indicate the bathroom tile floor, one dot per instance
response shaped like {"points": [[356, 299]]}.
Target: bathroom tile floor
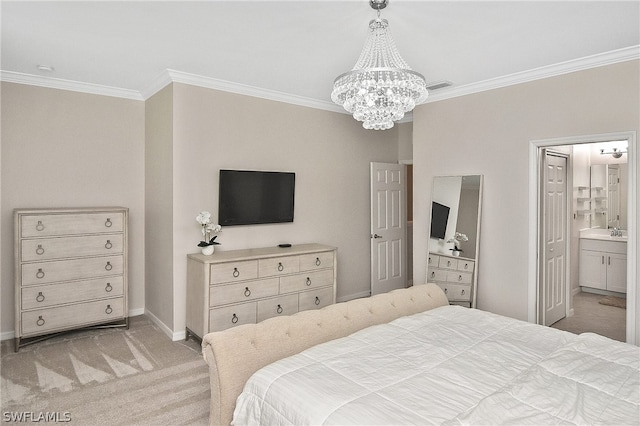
{"points": [[590, 316]]}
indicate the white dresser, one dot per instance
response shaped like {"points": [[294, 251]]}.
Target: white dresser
{"points": [[70, 270], [454, 275], [231, 288]]}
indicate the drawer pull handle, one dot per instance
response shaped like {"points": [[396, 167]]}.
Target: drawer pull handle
{"points": [[247, 292], [462, 292], [108, 310], [108, 266], [308, 281], [234, 319], [446, 291], [433, 274], [40, 273], [236, 273], [318, 262], [280, 267], [39, 227], [448, 263], [40, 321], [39, 250], [279, 310], [108, 288], [40, 297], [108, 223], [317, 302], [459, 277], [466, 266], [108, 245]]}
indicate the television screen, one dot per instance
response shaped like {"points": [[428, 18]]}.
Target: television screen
{"points": [[248, 197], [439, 219]]}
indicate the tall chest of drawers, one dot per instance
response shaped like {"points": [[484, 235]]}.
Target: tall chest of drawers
{"points": [[454, 275], [70, 270], [230, 288]]}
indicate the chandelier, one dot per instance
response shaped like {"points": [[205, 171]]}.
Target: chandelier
{"points": [[381, 87]]}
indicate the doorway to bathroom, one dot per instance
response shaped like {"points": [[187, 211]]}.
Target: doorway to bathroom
{"points": [[595, 210]]}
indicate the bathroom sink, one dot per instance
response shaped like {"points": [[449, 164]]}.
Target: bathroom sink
{"points": [[605, 237]]}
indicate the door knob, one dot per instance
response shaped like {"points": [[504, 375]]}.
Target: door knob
{"points": [[376, 236]]}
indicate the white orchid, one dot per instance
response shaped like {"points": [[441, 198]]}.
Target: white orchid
{"points": [[456, 239], [207, 228]]}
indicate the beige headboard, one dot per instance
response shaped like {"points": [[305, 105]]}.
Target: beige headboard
{"points": [[234, 355]]}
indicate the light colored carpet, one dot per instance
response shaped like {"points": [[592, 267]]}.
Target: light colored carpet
{"points": [[108, 376], [591, 316], [618, 302]]}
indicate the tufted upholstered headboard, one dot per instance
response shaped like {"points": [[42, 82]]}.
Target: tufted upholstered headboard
{"points": [[234, 355]]}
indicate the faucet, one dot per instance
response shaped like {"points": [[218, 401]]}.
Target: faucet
{"points": [[616, 232]]}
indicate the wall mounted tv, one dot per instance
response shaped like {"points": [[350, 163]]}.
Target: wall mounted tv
{"points": [[439, 219], [249, 197]]}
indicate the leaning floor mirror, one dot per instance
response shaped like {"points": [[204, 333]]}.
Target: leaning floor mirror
{"points": [[454, 238]]}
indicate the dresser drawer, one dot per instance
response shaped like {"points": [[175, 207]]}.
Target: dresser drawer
{"points": [[447, 263], [33, 297], [466, 265], [233, 271], [309, 262], [315, 299], [459, 277], [433, 260], [74, 269], [284, 305], [456, 292], [241, 292], [47, 225], [62, 317], [294, 283], [434, 275], [61, 247], [230, 316], [278, 266]]}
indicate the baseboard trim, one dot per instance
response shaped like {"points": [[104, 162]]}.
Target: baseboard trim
{"points": [[353, 296], [173, 335]]}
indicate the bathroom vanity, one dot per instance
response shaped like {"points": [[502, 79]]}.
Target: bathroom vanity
{"points": [[603, 261]]}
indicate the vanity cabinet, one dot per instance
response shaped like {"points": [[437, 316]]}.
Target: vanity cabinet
{"points": [[603, 265], [231, 288], [70, 270], [454, 275]]}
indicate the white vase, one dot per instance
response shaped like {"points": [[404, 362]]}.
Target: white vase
{"points": [[208, 250]]}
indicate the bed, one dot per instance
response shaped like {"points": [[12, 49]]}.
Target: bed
{"points": [[407, 357]]}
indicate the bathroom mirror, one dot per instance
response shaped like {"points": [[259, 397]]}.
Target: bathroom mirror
{"points": [[454, 236], [608, 196]]}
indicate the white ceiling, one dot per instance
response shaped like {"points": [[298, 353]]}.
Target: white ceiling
{"points": [[298, 47]]}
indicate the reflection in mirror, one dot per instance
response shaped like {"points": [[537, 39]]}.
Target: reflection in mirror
{"points": [[453, 239], [608, 196]]}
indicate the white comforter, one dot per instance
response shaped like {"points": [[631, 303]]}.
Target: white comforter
{"points": [[449, 365]]}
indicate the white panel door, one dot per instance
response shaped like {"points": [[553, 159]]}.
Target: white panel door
{"points": [[554, 238], [388, 227]]}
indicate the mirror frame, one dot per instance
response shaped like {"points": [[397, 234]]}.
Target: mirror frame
{"points": [[438, 250]]}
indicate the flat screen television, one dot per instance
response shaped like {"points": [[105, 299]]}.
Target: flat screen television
{"points": [[439, 219], [249, 197]]}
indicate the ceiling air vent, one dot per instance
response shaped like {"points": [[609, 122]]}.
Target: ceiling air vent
{"points": [[439, 85]]}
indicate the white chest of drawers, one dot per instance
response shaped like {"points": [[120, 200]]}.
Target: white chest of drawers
{"points": [[231, 288], [70, 270], [454, 275]]}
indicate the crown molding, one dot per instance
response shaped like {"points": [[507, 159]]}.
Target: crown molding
{"points": [[594, 61], [172, 76], [74, 86]]}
